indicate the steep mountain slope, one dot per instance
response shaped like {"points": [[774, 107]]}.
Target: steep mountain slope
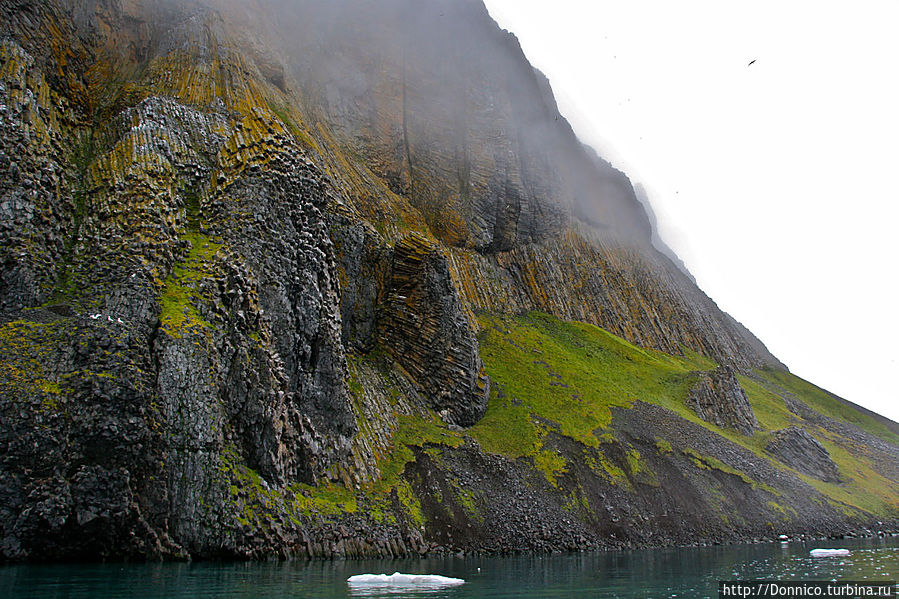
{"points": [[258, 268]]}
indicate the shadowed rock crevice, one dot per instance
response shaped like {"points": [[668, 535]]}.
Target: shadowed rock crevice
{"points": [[364, 262]]}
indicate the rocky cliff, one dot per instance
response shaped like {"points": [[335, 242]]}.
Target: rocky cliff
{"points": [[258, 266]]}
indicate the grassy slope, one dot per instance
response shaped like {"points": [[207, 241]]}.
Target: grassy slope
{"points": [[567, 376]]}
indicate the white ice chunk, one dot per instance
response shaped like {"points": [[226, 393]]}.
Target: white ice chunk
{"points": [[399, 579], [828, 552]]}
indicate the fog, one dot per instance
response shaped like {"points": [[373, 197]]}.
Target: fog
{"points": [[438, 99], [773, 180]]}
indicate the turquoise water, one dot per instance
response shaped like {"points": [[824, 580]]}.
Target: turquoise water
{"points": [[692, 572]]}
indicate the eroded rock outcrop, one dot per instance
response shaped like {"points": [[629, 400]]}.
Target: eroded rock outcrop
{"points": [[192, 342], [717, 397], [797, 449], [471, 137], [425, 328], [242, 243], [36, 197], [576, 276]]}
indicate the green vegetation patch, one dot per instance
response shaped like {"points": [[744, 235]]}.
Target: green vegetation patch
{"points": [[468, 500], [550, 463], [825, 403], [707, 462], [602, 465], [769, 408], [180, 294], [864, 487], [639, 469], [570, 374], [327, 499], [413, 431], [411, 504], [26, 351]]}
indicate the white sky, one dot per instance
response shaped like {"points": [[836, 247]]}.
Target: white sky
{"points": [[777, 183]]}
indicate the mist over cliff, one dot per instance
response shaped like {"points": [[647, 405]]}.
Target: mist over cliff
{"points": [[336, 279]]}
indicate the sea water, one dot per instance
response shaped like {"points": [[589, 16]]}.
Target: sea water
{"points": [[675, 572]]}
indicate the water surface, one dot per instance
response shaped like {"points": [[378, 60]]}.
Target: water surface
{"points": [[679, 572]]}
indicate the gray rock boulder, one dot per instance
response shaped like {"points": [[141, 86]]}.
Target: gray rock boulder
{"points": [[798, 449], [718, 398]]}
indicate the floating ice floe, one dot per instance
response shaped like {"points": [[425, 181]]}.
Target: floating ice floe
{"points": [[404, 580], [829, 552]]}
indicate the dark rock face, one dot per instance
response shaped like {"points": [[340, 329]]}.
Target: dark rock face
{"points": [[232, 289], [718, 398], [36, 202], [364, 261], [425, 328], [82, 452], [798, 449], [195, 330]]}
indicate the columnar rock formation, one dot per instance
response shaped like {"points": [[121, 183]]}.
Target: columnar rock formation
{"points": [[717, 397], [798, 449], [425, 328], [244, 251]]}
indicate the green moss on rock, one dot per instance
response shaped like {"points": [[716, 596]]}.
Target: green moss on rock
{"points": [[180, 294]]}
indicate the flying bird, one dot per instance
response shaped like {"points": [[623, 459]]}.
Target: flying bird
{"points": [[751, 62]]}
